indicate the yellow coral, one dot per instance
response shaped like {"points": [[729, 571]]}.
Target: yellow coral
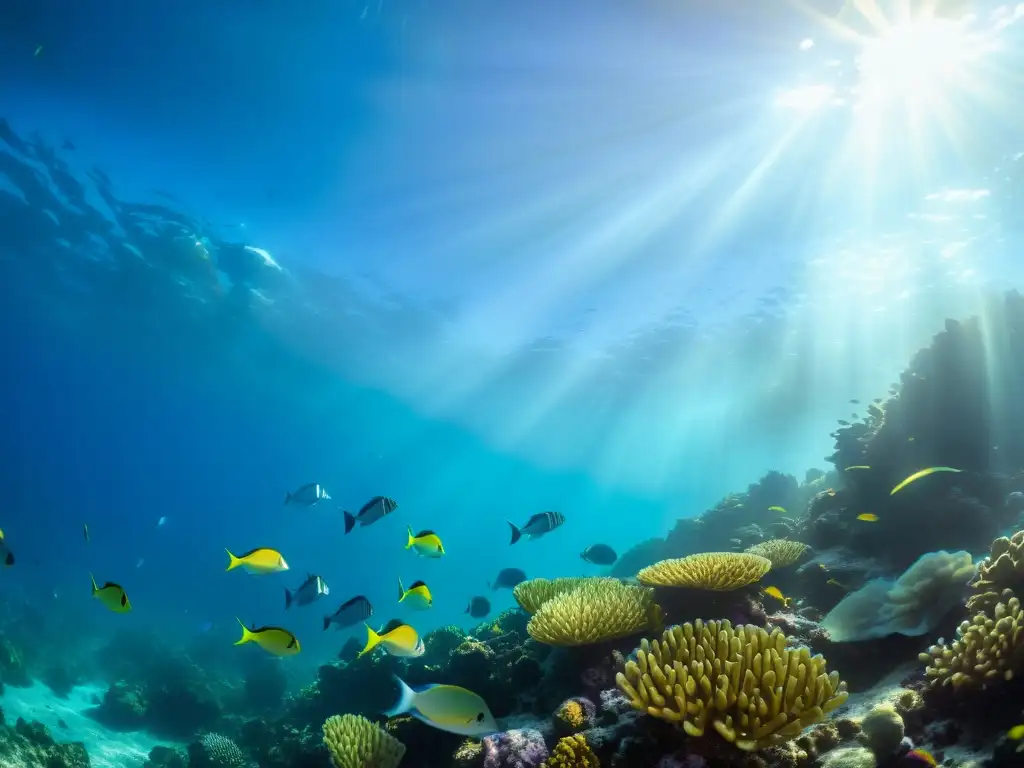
{"points": [[709, 570], [572, 752], [781, 552], [595, 611], [355, 742], [468, 752], [745, 682], [532, 594], [572, 714], [988, 649], [1002, 570]]}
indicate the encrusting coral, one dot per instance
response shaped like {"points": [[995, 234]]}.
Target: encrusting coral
{"points": [[532, 594], [355, 742], [742, 680], [720, 571], [572, 752], [595, 611], [781, 552], [987, 650]]}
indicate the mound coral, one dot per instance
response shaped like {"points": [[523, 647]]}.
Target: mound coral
{"points": [[595, 611], [911, 605], [1003, 569], [215, 751], [753, 690], [355, 742], [782, 552], [987, 650], [532, 594], [572, 752], [720, 571]]}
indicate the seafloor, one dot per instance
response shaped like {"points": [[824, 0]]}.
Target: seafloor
{"points": [[677, 660]]}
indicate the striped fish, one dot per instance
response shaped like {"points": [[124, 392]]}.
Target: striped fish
{"points": [[536, 526]]}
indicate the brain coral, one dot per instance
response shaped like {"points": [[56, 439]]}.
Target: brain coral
{"points": [[532, 594], [753, 690], [595, 611], [709, 570], [987, 649], [781, 552], [355, 742]]}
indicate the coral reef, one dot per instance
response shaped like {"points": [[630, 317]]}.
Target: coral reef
{"points": [[213, 750], [721, 571], [1001, 570], [742, 681], [595, 611], [532, 594], [781, 552], [572, 752], [30, 744], [355, 742]]}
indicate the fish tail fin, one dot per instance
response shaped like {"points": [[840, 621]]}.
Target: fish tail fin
{"points": [[350, 520], [95, 587], [287, 598], [401, 590], [247, 636], [412, 539], [372, 639], [287, 497], [516, 533], [9, 560], [327, 623], [406, 699], [233, 562]]}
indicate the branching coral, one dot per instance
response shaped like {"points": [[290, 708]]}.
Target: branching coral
{"points": [[595, 611], [781, 552], [572, 752], [532, 594], [987, 650], [355, 742], [753, 690], [720, 571]]}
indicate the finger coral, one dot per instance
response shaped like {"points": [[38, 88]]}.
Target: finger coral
{"points": [[355, 742], [988, 649], [532, 594], [572, 752], [719, 571], [1003, 569], [781, 552], [595, 611], [743, 681]]}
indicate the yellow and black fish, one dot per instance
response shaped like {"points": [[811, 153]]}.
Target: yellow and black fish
{"points": [[260, 560], [111, 595], [417, 596], [426, 543], [275, 640]]}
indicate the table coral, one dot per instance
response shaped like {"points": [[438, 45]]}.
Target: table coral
{"points": [[720, 571]]}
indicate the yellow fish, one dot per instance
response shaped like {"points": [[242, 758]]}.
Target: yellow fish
{"points": [[111, 595], [426, 543], [1016, 733], [919, 475], [858, 466], [397, 638], [275, 640], [777, 594], [445, 707], [417, 596], [777, 509], [835, 583], [868, 517], [262, 560]]}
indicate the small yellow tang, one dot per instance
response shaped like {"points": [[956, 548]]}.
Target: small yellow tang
{"points": [[426, 543], [777, 594], [397, 638], [275, 640], [417, 596], [111, 595], [918, 475], [868, 517], [261, 560]]}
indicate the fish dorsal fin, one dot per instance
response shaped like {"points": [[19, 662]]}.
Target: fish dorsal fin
{"points": [[416, 584], [391, 626], [425, 532]]}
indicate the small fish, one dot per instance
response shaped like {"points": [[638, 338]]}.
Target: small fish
{"points": [[111, 595], [919, 757], [508, 578], [260, 560], [161, 522], [5, 551], [911, 439], [85, 532], [39, 49], [599, 554], [537, 526], [823, 566], [445, 707], [779, 509], [868, 517], [857, 466], [855, 402], [919, 475], [370, 512], [777, 594], [312, 589], [417, 596], [350, 613], [1016, 733], [835, 583], [396, 638], [426, 543], [478, 607], [844, 423], [308, 495], [275, 640]]}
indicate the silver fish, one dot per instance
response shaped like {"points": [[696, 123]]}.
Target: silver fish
{"points": [[536, 526], [370, 512], [351, 612], [307, 495], [312, 589]]}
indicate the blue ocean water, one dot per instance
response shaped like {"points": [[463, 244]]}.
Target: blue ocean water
{"points": [[615, 261]]}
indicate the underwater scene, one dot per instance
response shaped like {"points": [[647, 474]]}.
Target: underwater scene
{"points": [[403, 384]]}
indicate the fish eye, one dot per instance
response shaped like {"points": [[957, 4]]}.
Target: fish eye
{"points": [[480, 717]]}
